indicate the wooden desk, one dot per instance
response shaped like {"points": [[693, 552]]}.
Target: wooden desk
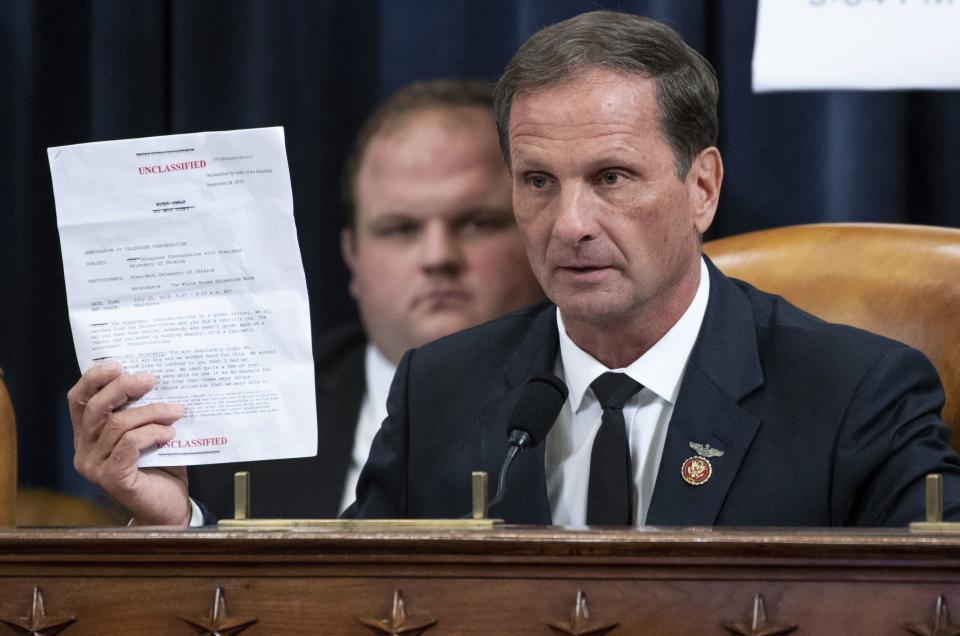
{"points": [[510, 580]]}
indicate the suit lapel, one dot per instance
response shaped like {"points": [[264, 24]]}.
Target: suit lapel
{"points": [[526, 489], [724, 367], [705, 415]]}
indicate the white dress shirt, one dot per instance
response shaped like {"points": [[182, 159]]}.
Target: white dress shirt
{"points": [[378, 373], [647, 414]]}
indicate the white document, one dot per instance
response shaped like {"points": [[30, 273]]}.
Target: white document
{"points": [[180, 257], [857, 44]]}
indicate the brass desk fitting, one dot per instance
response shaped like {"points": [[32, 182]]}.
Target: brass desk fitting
{"points": [[242, 519], [935, 523]]}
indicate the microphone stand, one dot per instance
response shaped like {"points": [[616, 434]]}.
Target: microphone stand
{"points": [[519, 440]]}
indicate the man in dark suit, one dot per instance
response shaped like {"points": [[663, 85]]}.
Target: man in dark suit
{"points": [[818, 424], [432, 248], [694, 399]]}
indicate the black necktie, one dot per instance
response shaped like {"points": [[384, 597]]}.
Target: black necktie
{"points": [[608, 495]]}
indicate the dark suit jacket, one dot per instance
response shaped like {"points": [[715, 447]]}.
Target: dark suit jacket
{"points": [[821, 424], [304, 487]]}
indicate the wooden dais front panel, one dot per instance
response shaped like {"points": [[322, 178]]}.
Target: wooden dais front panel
{"points": [[508, 580]]}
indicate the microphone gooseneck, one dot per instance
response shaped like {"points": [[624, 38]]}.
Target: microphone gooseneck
{"points": [[532, 418]]}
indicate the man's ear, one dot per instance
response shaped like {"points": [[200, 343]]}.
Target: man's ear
{"points": [[704, 180], [348, 250]]}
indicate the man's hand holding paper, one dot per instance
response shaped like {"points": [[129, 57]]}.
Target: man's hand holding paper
{"points": [[108, 440], [183, 270]]}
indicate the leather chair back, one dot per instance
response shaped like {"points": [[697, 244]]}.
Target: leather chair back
{"points": [[42, 507], [8, 458], [901, 281]]}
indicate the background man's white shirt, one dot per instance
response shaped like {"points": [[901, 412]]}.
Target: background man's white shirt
{"points": [[378, 373]]}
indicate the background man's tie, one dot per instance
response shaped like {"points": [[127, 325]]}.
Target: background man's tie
{"points": [[608, 496]]}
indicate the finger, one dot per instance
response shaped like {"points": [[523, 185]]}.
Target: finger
{"points": [[177, 472], [116, 394], [121, 391], [95, 378], [110, 467], [126, 452], [122, 423], [118, 472]]}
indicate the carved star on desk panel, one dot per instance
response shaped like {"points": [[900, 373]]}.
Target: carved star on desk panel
{"points": [[580, 623], [218, 623], [758, 625], [400, 622], [37, 623], [941, 623]]}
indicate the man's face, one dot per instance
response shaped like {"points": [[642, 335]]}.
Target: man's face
{"points": [[435, 247], [611, 231]]}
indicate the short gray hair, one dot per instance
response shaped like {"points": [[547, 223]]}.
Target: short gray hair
{"points": [[686, 84]]}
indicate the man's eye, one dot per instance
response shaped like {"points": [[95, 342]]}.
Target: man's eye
{"points": [[538, 181], [398, 230], [483, 225], [609, 177]]}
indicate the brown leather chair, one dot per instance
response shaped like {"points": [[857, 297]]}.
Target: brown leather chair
{"points": [[37, 507], [901, 281], [8, 457], [42, 507]]}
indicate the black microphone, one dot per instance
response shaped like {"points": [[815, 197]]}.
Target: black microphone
{"points": [[532, 418]]}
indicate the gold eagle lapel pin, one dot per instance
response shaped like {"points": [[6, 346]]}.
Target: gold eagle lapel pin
{"points": [[697, 470]]}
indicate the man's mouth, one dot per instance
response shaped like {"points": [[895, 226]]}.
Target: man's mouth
{"points": [[583, 273], [583, 268], [441, 298]]}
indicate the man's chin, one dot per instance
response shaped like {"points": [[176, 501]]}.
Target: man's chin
{"points": [[594, 308], [443, 324]]}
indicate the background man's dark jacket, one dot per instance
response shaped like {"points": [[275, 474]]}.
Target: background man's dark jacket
{"points": [[820, 424], [305, 487]]}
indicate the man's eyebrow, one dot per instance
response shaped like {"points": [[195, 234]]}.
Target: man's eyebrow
{"points": [[484, 211], [527, 164], [391, 217], [611, 161]]}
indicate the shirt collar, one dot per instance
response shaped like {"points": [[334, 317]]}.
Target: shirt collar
{"points": [[660, 369]]}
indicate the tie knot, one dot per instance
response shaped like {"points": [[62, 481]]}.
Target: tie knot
{"points": [[614, 389]]}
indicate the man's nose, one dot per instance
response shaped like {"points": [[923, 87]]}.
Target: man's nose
{"points": [[441, 251], [574, 218]]}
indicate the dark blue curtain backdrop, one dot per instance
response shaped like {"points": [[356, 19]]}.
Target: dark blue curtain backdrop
{"points": [[74, 72]]}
